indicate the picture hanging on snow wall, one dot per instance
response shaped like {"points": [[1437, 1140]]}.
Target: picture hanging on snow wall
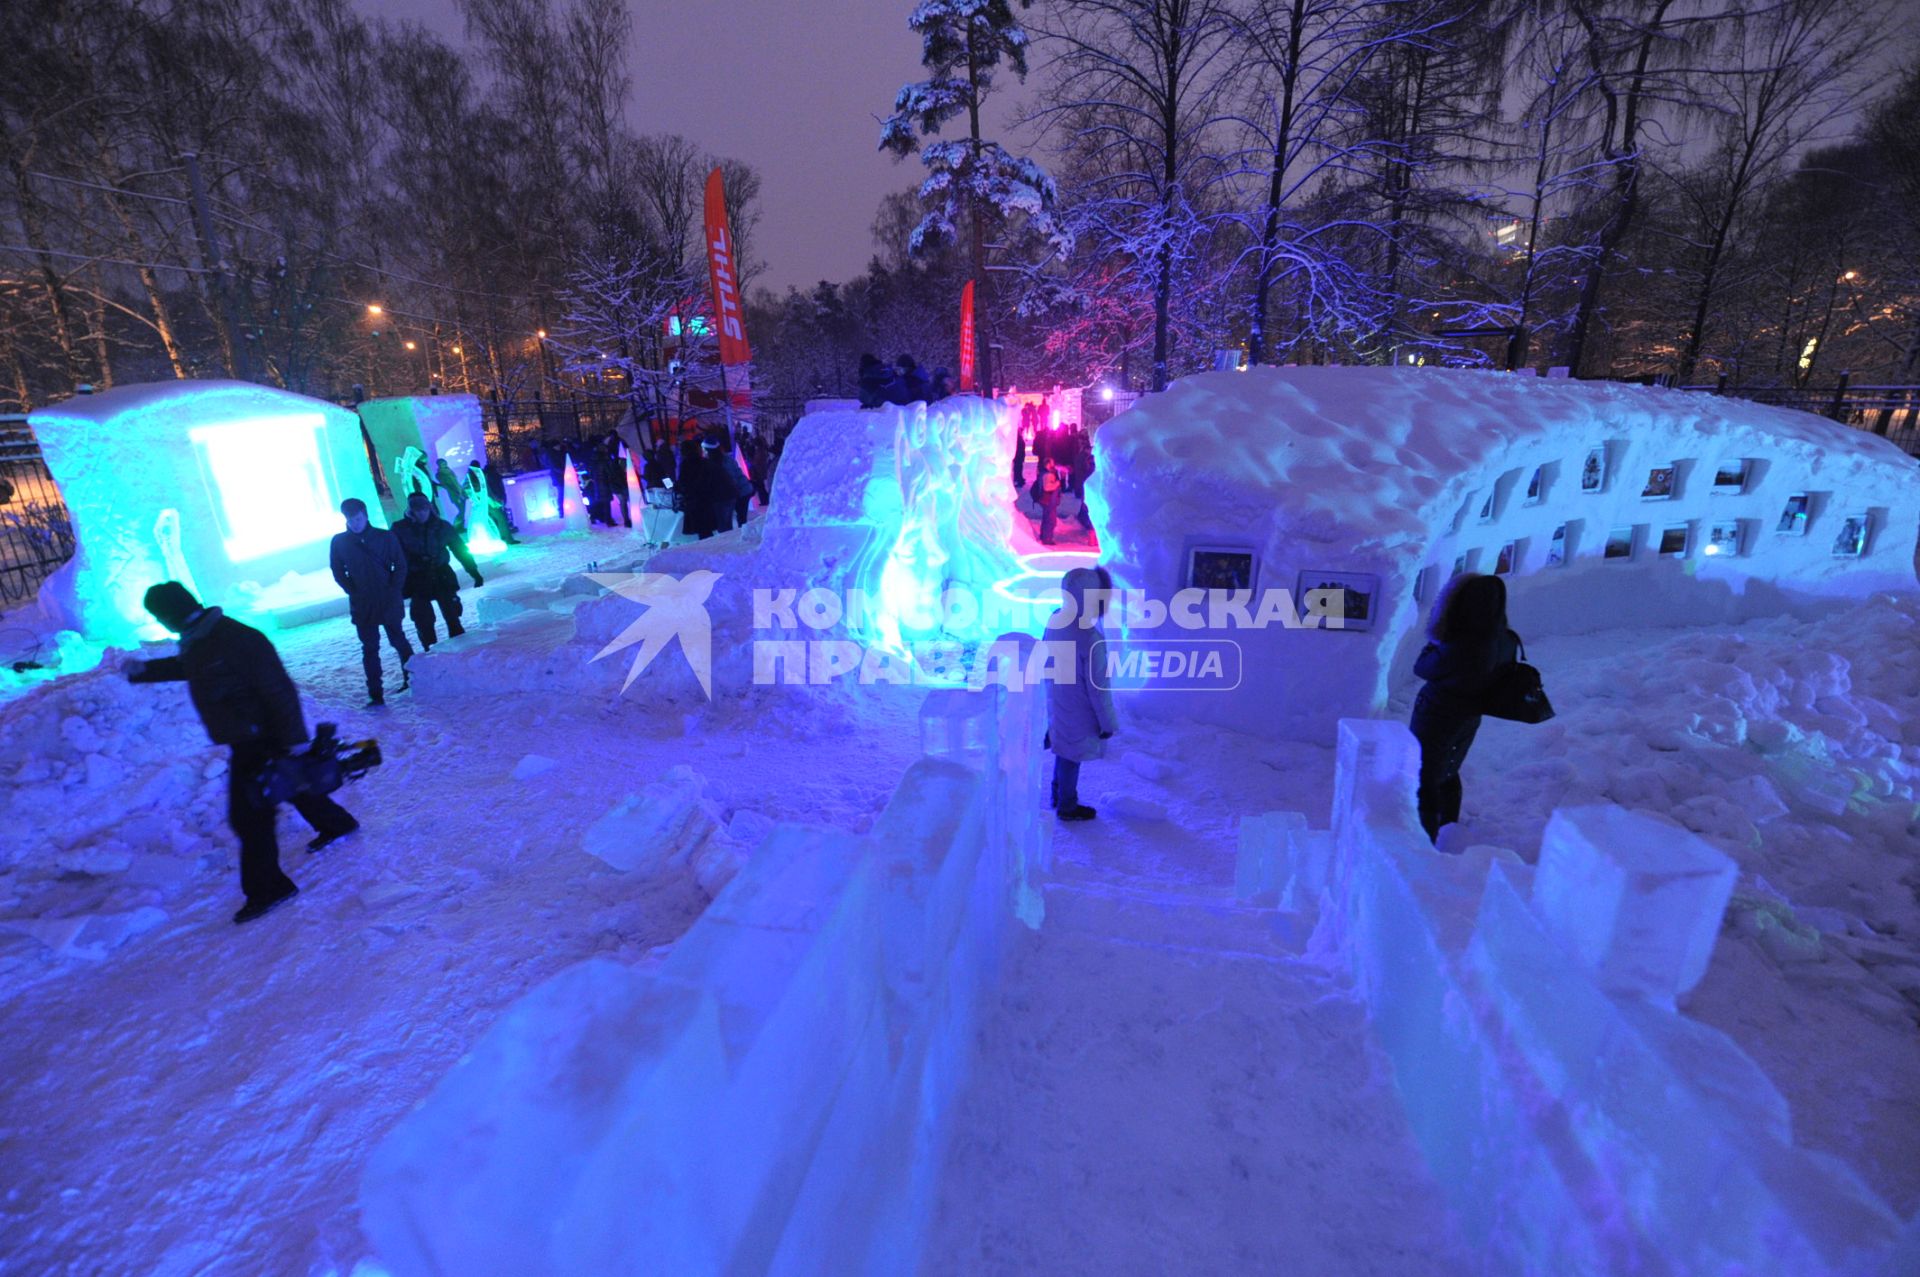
{"points": [[1619, 544], [1355, 610], [1723, 540], [1793, 518], [1673, 541], [1851, 542], [1214, 567], [1730, 478], [1509, 554], [1659, 484], [1536, 486], [1423, 583], [1486, 507], [1557, 548], [1460, 563], [1593, 472]]}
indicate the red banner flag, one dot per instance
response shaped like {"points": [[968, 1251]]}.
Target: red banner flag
{"points": [[729, 322], [966, 337]]}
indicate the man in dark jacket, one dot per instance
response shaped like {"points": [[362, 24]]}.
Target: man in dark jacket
{"points": [[909, 382], [426, 539], [1079, 470], [372, 569], [246, 702], [875, 382]]}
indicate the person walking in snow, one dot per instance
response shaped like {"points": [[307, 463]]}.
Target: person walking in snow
{"points": [[1080, 717], [427, 540], [1469, 645], [371, 569], [247, 703], [1020, 456], [1079, 470], [1048, 487]]}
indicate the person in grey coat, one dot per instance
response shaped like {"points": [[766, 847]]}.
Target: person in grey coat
{"points": [[371, 569], [1080, 717]]}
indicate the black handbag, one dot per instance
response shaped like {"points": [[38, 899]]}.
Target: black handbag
{"points": [[1516, 694]]}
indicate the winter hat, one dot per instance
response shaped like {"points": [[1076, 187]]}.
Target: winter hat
{"points": [[171, 603], [419, 501]]}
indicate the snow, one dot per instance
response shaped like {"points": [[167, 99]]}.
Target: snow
{"points": [[1384, 471]]}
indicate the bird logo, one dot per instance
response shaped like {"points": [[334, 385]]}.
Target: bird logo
{"points": [[676, 608]]}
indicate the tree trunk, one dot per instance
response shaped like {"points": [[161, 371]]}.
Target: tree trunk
{"points": [[982, 303], [1276, 187]]}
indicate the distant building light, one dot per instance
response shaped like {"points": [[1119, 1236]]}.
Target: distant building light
{"points": [[1106, 393]]}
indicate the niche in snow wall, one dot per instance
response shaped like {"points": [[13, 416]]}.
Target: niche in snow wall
{"points": [[231, 488], [427, 428], [1605, 506]]}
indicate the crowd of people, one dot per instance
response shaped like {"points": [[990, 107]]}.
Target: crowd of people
{"points": [[901, 382], [1062, 464]]}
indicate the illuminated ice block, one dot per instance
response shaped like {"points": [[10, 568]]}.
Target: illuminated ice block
{"points": [[954, 721], [1638, 900], [446, 428], [230, 488]]}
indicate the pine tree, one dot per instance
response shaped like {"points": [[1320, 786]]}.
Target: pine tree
{"points": [[962, 43]]}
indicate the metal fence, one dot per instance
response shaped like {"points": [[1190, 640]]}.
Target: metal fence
{"points": [[1890, 411], [36, 532], [515, 427]]}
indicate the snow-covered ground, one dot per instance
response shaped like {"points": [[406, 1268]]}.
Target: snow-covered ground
{"points": [[185, 1096]]}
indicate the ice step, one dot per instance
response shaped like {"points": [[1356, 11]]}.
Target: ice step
{"points": [[1212, 923]]}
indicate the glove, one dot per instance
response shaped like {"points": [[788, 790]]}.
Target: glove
{"points": [[1106, 735], [477, 581]]}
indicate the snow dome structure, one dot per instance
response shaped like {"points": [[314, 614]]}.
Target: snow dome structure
{"points": [[231, 488], [1605, 505]]}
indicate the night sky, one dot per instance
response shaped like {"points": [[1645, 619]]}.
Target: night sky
{"points": [[793, 87]]}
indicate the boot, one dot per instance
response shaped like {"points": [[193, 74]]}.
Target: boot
{"points": [[258, 908], [1082, 812], [323, 840]]}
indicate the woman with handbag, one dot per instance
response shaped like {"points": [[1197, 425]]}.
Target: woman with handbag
{"points": [[1470, 650]]}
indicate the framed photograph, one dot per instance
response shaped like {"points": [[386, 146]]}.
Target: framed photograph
{"points": [[1465, 561], [1793, 516], [1659, 486], [1423, 583], [1509, 556], [1486, 506], [1673, 541], [1557, 548], [1730, 478], [1851, 541], [1361, 590], [1723, 541], [1593, 471], [1536, 487], [1619, 544], [1220, 567]]}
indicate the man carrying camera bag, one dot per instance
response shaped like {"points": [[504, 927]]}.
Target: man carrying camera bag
{"points": [[246, 702]]}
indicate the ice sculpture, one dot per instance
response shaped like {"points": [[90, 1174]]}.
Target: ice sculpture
{"points": [[232, 486]]}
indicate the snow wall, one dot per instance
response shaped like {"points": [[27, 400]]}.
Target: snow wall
{"points": [[230, 488], [1388, 480], [1579, 1122], [776, 1096], [896, 502], [439, 426]]}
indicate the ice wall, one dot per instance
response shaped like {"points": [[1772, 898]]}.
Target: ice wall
{"points": [[440, 426], [775, 1096], [229, 487], [1579, 1122], [1403, 473]]}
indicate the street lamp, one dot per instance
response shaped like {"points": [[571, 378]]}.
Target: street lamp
{"points": [[375, 309]]}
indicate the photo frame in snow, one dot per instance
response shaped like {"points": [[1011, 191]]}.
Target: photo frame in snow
{"points": [[1619, 544], [1361, 601], [1795, 515], [1851, 541], [1662, 483], [1723, 540], [1593, 471], [1221, 567], [1730, 477], [1423, 582], [1557, 548], [1673, 541], [1536, 487], [1507, 559], [1464, 561], [1487, 506]]}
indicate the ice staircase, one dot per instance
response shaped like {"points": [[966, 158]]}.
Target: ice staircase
{"points": [[1166, 1084]]}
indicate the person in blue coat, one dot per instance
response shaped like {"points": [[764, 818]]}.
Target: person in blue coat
{"points": [[1469, 644], [1080, 716]]}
